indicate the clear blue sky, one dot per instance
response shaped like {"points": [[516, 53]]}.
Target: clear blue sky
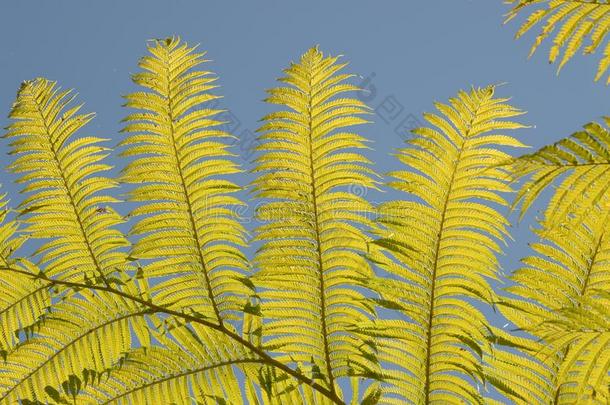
{"points": [[418, 52]]}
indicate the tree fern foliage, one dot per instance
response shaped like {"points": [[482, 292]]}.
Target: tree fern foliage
{"points": [[559, 296], [576, 167], [153, 300], [313, 236], [569, 26], [445, 238], [188, 228]]}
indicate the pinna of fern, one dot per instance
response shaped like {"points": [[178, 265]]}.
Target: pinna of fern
{"points": [[440, 246], [189, 232], [578, 167], [311, 272]]}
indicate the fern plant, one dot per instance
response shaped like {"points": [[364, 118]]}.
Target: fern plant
{"points": [[343, 301]]}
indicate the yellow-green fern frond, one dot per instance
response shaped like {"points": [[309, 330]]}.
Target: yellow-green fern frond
{"points": [[189, 228], [581, 166], [61, 173], [311, 269], [444, 239], [567, 268], [578, 24], [195, 365], [22, 300], [92, 332]]}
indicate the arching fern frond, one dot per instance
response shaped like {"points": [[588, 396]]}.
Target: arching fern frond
{"points": [[515, 372], [66, 206], [65, 203], [192, 366], [79, 333], [311, 272], [578, 24], [567, 272], [578, 165], [443, 240], [189, 230]]}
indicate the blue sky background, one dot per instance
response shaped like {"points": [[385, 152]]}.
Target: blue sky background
{"points": [[415, 52]]}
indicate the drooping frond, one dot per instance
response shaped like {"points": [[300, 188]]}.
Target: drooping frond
{"points": [[62, 177], [22, 300], [189, 230], [193, 366], [79, 333], [444, 238], [578, 165], [577, 24], [311, 270], [567, 270]]}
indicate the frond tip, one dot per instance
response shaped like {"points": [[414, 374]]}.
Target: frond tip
{"points": [[67, 203]]}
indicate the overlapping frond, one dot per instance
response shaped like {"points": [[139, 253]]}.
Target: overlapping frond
{"points": [[577, 24], [567, 274], [189, 232], [311, 271], [91, 332], [443, 240], [579, 166], [22, 300], [65, 202], [194, 365]]}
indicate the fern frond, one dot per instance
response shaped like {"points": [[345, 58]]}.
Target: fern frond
{"points": [[581, 166], [189, 230], [91, 332], [578, 24], [311, 272], [443, 241], [67, 207], [581, 334], [65, 203], [193, 365], [566, 270]]}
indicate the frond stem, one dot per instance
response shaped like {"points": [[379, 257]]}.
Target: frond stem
{"points": [[329, 369], [436, 257]]}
